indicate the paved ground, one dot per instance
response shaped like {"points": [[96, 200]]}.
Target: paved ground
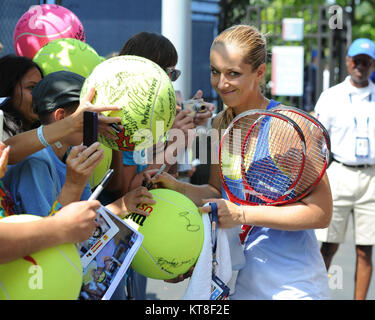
{"points": [[341, 277], [344, 261]]}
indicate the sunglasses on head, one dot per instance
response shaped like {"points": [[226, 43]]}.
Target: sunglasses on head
{"points": [[173, 73]]}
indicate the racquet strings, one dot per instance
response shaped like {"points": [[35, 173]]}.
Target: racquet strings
{"points": [[317, 148], [261, 158]]}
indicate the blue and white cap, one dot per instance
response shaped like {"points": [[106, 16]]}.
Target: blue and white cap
{"points": [[362, 46]]}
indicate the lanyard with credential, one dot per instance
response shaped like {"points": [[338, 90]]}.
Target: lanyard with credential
{"points": [[362, 143], [214, 223], [219, 290]]}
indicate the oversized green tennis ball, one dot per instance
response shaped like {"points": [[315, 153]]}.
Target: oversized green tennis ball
{"points": [[145, 93], [67, 54], [51, 274], [173, 235]]}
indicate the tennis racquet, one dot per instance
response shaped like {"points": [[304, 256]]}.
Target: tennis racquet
{"points": [[317, 154], [318, 148], [261, 158]]}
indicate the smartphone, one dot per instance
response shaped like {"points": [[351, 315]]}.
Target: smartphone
{"points": [[90, 128]]}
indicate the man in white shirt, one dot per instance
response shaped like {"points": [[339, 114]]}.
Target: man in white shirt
{"points": [[347, 110]]}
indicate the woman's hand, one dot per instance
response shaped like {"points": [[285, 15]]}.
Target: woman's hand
{"points": [[229, 214]]}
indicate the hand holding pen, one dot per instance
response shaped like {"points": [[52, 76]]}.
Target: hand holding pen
{"points": [[151, 184]]}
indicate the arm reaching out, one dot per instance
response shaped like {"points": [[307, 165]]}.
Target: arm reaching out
{"points": [[27, 143], [73, 223]]}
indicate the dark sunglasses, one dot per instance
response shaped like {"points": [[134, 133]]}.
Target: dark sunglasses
{"points": [[173, 73]]}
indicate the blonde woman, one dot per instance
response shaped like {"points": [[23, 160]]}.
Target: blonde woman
{"points": [[282, 254]]}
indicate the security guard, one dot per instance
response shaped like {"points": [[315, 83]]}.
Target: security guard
{"points": [[347, 110]]}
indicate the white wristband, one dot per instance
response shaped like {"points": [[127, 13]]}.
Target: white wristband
{"points": [[41, 136]]}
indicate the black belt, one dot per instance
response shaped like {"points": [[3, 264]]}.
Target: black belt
{"points": [[356, 166]]}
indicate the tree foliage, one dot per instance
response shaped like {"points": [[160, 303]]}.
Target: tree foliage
{"points": [[362, 12]]}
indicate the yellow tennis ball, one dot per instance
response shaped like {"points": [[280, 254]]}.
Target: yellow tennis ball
{"points": [[51, 274], [145, 93], [102, 168], [67, 54], [173, 235]]}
